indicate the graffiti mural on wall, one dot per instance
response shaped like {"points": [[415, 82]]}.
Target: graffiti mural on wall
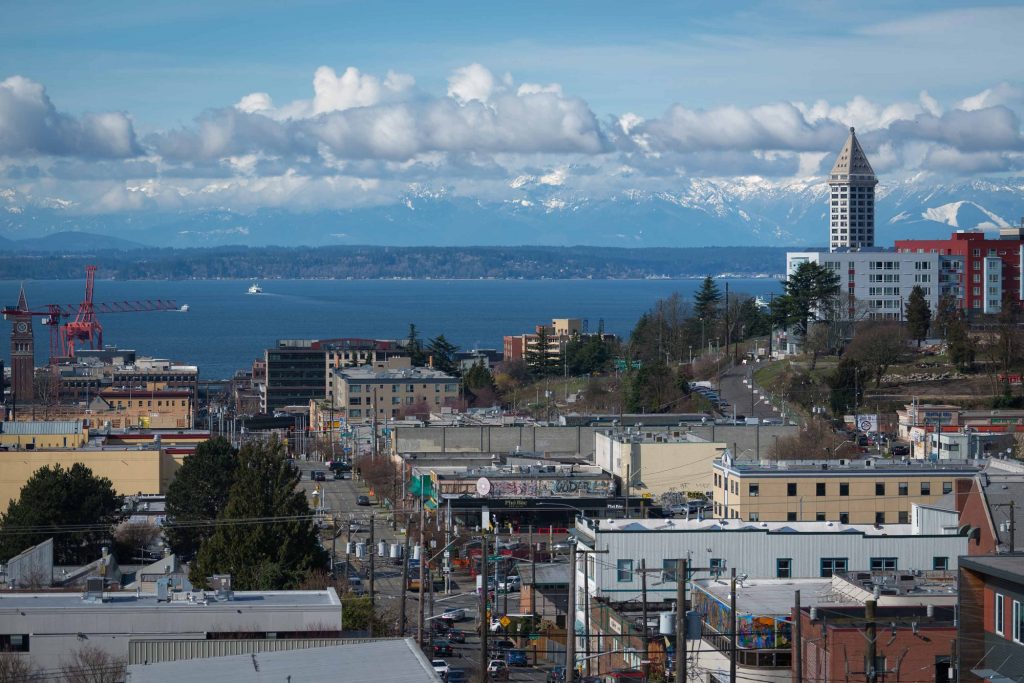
{"points": [[550, 488], [754, 632]]}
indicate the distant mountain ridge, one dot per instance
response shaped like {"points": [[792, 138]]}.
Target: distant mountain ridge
{"points": [[541, 211]]}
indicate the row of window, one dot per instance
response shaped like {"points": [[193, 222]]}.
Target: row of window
{"points": [[149, 403], [358, 388], [903, 488], [624, 572], [1016, 619]]}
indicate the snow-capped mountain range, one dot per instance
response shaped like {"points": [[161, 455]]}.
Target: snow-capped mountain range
{"points": [[542, 210]]}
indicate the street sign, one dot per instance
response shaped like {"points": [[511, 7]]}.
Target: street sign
{"points": [[504, 621], [534, 636]]}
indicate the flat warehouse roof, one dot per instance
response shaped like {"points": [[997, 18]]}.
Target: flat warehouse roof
{"points": [[128, 600]]}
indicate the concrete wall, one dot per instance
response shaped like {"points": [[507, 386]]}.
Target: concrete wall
{"points": [[495, 439], [657, 468]]}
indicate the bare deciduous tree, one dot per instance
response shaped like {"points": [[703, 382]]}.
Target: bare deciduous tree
{"points": [[90, 664], [16, 669]]}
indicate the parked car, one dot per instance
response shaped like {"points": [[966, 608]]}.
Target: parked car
{"points": [[556, 675], [517, 658], [500, 645], [901, 449], [510, 584], [457, 676], [443, 648], [497, 669], [317, 475], [441, 625], [441, 668], [456, 636], [363, 500], [455, 614]]}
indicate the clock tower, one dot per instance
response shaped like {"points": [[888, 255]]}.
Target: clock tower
{"points": [[22, 352]]}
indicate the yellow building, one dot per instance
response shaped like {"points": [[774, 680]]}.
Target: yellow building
{"points": [[657, 463], [870, 491], [131, 470], [29, 435], [150, 408]]}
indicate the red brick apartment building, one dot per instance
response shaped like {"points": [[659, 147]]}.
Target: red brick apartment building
{"points": [[991, 267]]}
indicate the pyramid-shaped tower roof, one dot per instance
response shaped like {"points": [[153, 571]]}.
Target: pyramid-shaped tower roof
{"points": [[852, 160], [22, 301]]}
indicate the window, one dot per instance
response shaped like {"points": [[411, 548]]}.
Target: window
{"points": [[999, 614], [903, 517], [883, 564], [790, 516], [832, 565], [783, 568], [791, 488], [819, 488], [904, 488], [844, 517], [940, 563], [717, 566], [624, 570], [844, 489], [879, 488], [1017, 618], [819, 516], [947, 487], [754, 490], [668, 570], [14, 643], [755, 517], [355, 412], [926, 488]]}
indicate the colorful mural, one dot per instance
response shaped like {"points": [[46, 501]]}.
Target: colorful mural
{"points": [[754, 632]]}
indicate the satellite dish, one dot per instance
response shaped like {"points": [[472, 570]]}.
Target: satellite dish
{"points": [[483, 486]]}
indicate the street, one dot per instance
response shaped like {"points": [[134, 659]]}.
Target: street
{"points": [[338, 498], [734, 387]]}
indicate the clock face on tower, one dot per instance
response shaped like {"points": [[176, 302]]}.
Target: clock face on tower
{"points": [[22, 327]]}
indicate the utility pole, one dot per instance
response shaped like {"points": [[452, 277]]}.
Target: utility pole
{"points": [[423, 558], [405, 584], [533, 574], [570, 622], [643, 595], [373, 448], [373, 554], [485, 622], [797, 638], [586, 607], [870, 629], [733, 631], [681, 570]]}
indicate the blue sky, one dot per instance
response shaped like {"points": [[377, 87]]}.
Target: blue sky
{"points": [[171, 105]]}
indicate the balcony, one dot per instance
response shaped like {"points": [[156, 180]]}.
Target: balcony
{"points": [[749, 657]]}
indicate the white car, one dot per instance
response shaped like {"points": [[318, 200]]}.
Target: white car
{"points": [[440, 668], [510, 584], [497, 666], [455, 614]]}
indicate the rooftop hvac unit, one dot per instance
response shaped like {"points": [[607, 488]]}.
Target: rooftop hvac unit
{"points": [[221, 584], [163, 589], [93, 589]]}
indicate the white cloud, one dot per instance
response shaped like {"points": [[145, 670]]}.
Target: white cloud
{"points": [[1005, 94], [30, 124], [468, 83]]}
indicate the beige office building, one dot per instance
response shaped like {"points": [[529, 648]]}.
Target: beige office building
{"points": [[657, 463], [362, 393], [869, 491]]}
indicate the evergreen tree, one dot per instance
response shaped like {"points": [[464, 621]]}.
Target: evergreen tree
{"points": [[265, 537], [539, 357], [959, 345], [53, 498], [442, 353], [706, 301], [847, 385], [946, 314], [810, 293], [415, 348], [919, 315], [199, 493]]}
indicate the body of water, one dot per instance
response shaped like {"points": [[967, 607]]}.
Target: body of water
{"points": [[226, 328]]}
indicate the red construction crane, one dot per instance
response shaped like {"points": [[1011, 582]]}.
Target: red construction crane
{"points": [[85, 327]]}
